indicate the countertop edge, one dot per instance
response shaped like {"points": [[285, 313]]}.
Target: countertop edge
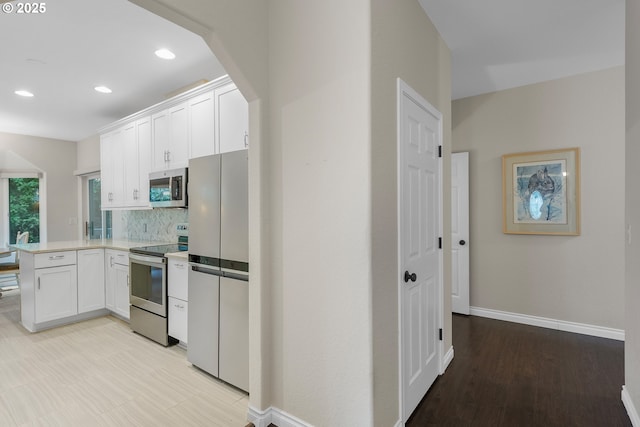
{"points": [[78, 245]]}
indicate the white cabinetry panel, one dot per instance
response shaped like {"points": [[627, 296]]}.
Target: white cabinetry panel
{"points": [[117, 282], [177, 290], [178, 314], [56, 293], [201, 126], [91, 287], [232, 119]]}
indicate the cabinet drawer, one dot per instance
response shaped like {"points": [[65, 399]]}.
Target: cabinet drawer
{"points": [[121, 258], [113, 257], [55, 259], [178, 314], [177, 277]]}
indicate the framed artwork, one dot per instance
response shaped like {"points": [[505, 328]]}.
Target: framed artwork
{"points": [[541, 192]]}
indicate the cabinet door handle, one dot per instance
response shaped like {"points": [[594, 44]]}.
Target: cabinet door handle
{"points": [[38, 283], [111, 261], [246, 139], [128, 281]]}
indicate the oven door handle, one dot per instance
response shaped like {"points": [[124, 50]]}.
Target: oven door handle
{"points": [[205, 270], [155, 260]]}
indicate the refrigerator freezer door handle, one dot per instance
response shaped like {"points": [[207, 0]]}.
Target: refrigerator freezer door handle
{"points": [[206, 270], [236, 276]]}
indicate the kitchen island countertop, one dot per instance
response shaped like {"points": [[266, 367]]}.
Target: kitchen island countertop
{"points": [[73, 245]]}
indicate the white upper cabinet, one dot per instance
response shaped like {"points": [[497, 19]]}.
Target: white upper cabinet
{"points": [[112, 169], [210, 119], [170, 137], [160, 141], [124, 158], [201, 126], [143, 129], [129, 158], [232, 119]]}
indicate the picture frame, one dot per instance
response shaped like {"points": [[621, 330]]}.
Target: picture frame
{"points": [[541, 192]]}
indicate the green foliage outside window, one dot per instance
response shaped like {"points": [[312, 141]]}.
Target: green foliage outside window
{"points": [[24, 208]]}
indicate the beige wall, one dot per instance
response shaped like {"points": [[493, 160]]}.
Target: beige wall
{"points": [[57, 159], [88, 154], [404, 44], [576, 279], [320, 129], [632, 178]]}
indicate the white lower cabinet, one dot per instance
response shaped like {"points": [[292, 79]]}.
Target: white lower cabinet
{"points": [[91, 295], [178, 313], [177, 277], [56, 293], [117, 282]]}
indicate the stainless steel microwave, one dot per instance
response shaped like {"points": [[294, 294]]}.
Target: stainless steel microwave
{"points": [[168, 189]]}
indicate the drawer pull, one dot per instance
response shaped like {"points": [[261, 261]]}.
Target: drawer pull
{"points": [[56, 257], [180, 266]]}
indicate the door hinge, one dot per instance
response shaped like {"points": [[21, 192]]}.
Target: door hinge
{"points": [[439, 150], [440, 333], [439, 242]]}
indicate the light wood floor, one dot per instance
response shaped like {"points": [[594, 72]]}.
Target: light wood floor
{"points": [[99, 373]]}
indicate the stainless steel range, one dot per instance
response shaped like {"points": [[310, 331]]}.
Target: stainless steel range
{"points": [[148, 294]]}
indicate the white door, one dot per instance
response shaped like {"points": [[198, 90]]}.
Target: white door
{"points": [[420, 259], [460, 232]]}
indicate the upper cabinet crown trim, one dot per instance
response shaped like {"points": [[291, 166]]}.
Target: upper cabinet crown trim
{"points": [[184, 96]]}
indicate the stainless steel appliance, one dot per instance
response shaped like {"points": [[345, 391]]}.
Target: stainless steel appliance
{"points": [[218, 317], [168, 189], [148, 290]]}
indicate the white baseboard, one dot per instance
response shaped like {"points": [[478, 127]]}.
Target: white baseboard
{"points": [[561, 325], [275, 416], [630, 407], [448, 357]]}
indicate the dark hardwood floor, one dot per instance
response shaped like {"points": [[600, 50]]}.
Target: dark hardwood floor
{"points": [[507, 374]]}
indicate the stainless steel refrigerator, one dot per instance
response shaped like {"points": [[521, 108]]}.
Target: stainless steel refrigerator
{"points": [[218, 313]]}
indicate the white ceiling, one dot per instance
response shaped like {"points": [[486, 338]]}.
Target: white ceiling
{"points": [[500, 44], [62, 54]]}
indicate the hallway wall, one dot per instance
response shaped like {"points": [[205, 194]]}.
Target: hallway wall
{"points": [[568, 278]]}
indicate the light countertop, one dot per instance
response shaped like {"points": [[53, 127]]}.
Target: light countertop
{"points": [[180, 255], [73, 245]]}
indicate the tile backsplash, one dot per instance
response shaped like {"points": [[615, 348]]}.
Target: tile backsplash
{"points": [[156, 225]]}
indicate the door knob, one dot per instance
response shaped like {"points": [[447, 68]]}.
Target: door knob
{"points": [[408, 277], [462, 242]]}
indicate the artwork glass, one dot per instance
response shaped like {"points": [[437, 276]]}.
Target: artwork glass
{"points": [[541, 192]]}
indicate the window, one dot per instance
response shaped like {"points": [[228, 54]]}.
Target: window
{"points": [[97, 222], [24, 208]]}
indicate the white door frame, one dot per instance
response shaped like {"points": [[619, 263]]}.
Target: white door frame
{"points": [[403, 89]]}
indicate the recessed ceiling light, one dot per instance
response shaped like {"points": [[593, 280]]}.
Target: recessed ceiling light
{"points": [[165, 54], [102, 89], [24, 93]]}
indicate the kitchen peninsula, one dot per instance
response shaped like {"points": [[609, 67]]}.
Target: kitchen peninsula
{"points": [[69, 281]]}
